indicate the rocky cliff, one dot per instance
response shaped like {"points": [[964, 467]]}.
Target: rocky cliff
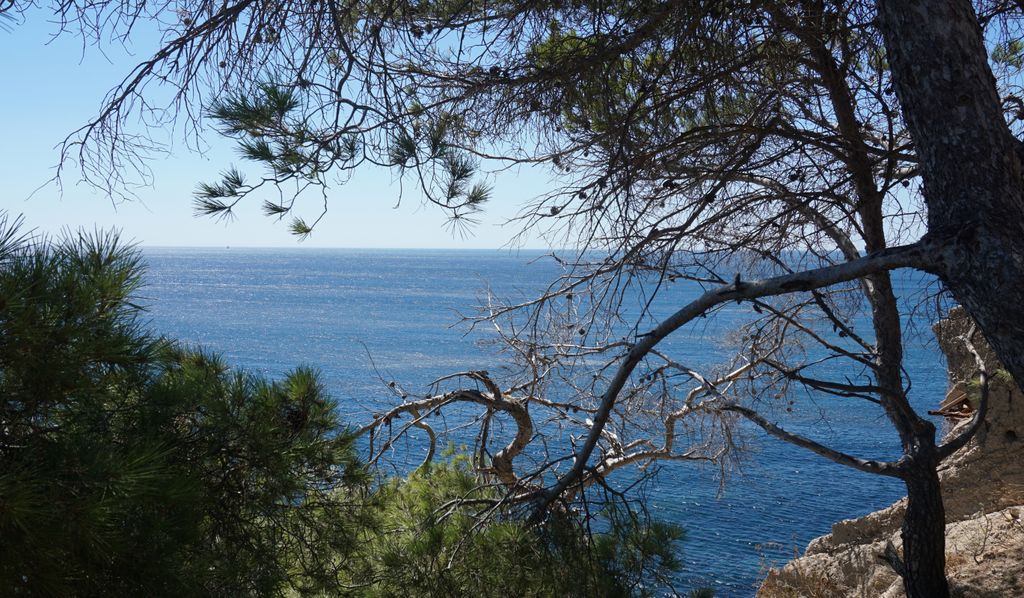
{"points": [[983, 492]]}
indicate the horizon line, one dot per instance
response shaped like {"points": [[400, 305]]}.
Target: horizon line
{"points": [[351, 248]]}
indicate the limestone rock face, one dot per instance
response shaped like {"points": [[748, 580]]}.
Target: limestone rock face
{"points": [[983, 493]]}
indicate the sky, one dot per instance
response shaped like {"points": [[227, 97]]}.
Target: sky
{"points": [[53, 86]]}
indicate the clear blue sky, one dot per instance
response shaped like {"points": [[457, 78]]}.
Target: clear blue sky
{"points": [[53, 86]]}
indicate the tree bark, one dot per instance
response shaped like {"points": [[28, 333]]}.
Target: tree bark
{"points": [[924, 524], [969, 162], [971, 168]]}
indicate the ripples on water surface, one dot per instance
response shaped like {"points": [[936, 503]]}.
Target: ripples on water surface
{"points": [[270, 309]]}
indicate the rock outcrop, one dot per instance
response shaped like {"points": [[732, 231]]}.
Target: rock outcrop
{"points": [[983, 493]]}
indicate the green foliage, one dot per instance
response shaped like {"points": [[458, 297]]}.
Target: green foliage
{"points": [[272, 131], [131, 466], [613, 82], [430, 545], [1000, 377], [1010, 53], [300, 228], [263, 114]]}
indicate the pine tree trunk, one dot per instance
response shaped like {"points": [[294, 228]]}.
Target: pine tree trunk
{"points": [[970, 162], [924, 525]]}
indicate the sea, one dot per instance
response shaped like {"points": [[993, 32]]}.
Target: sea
{"points": [[364, 318]]}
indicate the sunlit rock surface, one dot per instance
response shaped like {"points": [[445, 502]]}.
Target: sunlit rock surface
{"points": [[983, 492]]}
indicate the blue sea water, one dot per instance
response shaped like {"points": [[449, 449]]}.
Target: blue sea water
{"points": [[365, 317]]}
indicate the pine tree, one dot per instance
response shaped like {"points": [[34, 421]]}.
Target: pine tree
{"points": [[132, 466]]}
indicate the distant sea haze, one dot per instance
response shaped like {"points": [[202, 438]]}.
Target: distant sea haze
{"points": [[270, 310]]}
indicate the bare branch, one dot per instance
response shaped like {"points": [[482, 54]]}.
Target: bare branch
{"points": [[897, 257], [869, 466]]}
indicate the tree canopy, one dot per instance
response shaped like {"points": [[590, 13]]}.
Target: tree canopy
{"points": [[132, 465]]}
